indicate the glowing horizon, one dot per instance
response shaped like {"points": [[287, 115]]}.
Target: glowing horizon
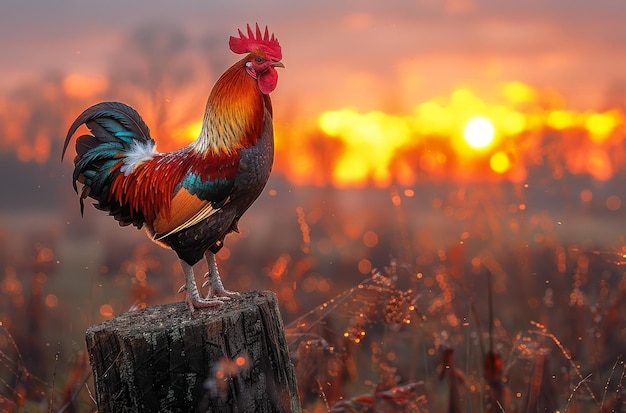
{"points": [[465, 137], [456, 137]]}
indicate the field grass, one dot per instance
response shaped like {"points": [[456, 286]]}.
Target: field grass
{"points": [[449, 300]]}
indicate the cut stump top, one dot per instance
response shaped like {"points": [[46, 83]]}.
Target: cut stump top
{"points": [[164, 358]]}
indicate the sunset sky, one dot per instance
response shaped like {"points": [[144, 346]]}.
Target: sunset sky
{"points": [[365, 54], [379, 81]]}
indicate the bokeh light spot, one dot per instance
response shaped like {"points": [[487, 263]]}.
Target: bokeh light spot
{"points": [[365, 266], [370, 239], [499, 162], [52, 300], [613, 203], [106, 310], [586, 195]]}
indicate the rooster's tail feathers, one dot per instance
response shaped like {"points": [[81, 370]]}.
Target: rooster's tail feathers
{"points": [[117, 130], [109, 122]]}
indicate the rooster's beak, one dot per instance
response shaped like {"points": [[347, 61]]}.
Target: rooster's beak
{"points": [[277, 64]]}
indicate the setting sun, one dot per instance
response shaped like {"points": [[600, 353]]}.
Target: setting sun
{"points": [[479, 132]]}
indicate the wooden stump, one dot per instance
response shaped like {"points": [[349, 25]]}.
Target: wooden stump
{"points": [[164, 359]]}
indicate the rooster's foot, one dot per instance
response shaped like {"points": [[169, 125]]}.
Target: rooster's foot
{"points": [[196, 302], [214, 282], [216, 289]]}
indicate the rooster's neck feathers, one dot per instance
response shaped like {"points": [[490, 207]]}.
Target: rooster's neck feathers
{"points": [[234, 114]]}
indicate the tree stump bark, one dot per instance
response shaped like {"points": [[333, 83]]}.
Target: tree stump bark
{"points": [[164, 359]]}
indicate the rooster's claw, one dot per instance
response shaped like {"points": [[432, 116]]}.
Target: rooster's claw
{"points": [[196, 302]]}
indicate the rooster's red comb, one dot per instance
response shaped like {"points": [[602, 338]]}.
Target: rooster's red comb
{"points": [[269, 44]]}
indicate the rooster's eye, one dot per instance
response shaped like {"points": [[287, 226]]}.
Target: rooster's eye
{"points": [[259, 60]]}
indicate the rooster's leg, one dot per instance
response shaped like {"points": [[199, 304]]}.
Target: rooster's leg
{"points": [[216, 289], [193, 299]]}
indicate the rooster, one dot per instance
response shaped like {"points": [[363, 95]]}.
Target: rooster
{"points": [[190, 199]]}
